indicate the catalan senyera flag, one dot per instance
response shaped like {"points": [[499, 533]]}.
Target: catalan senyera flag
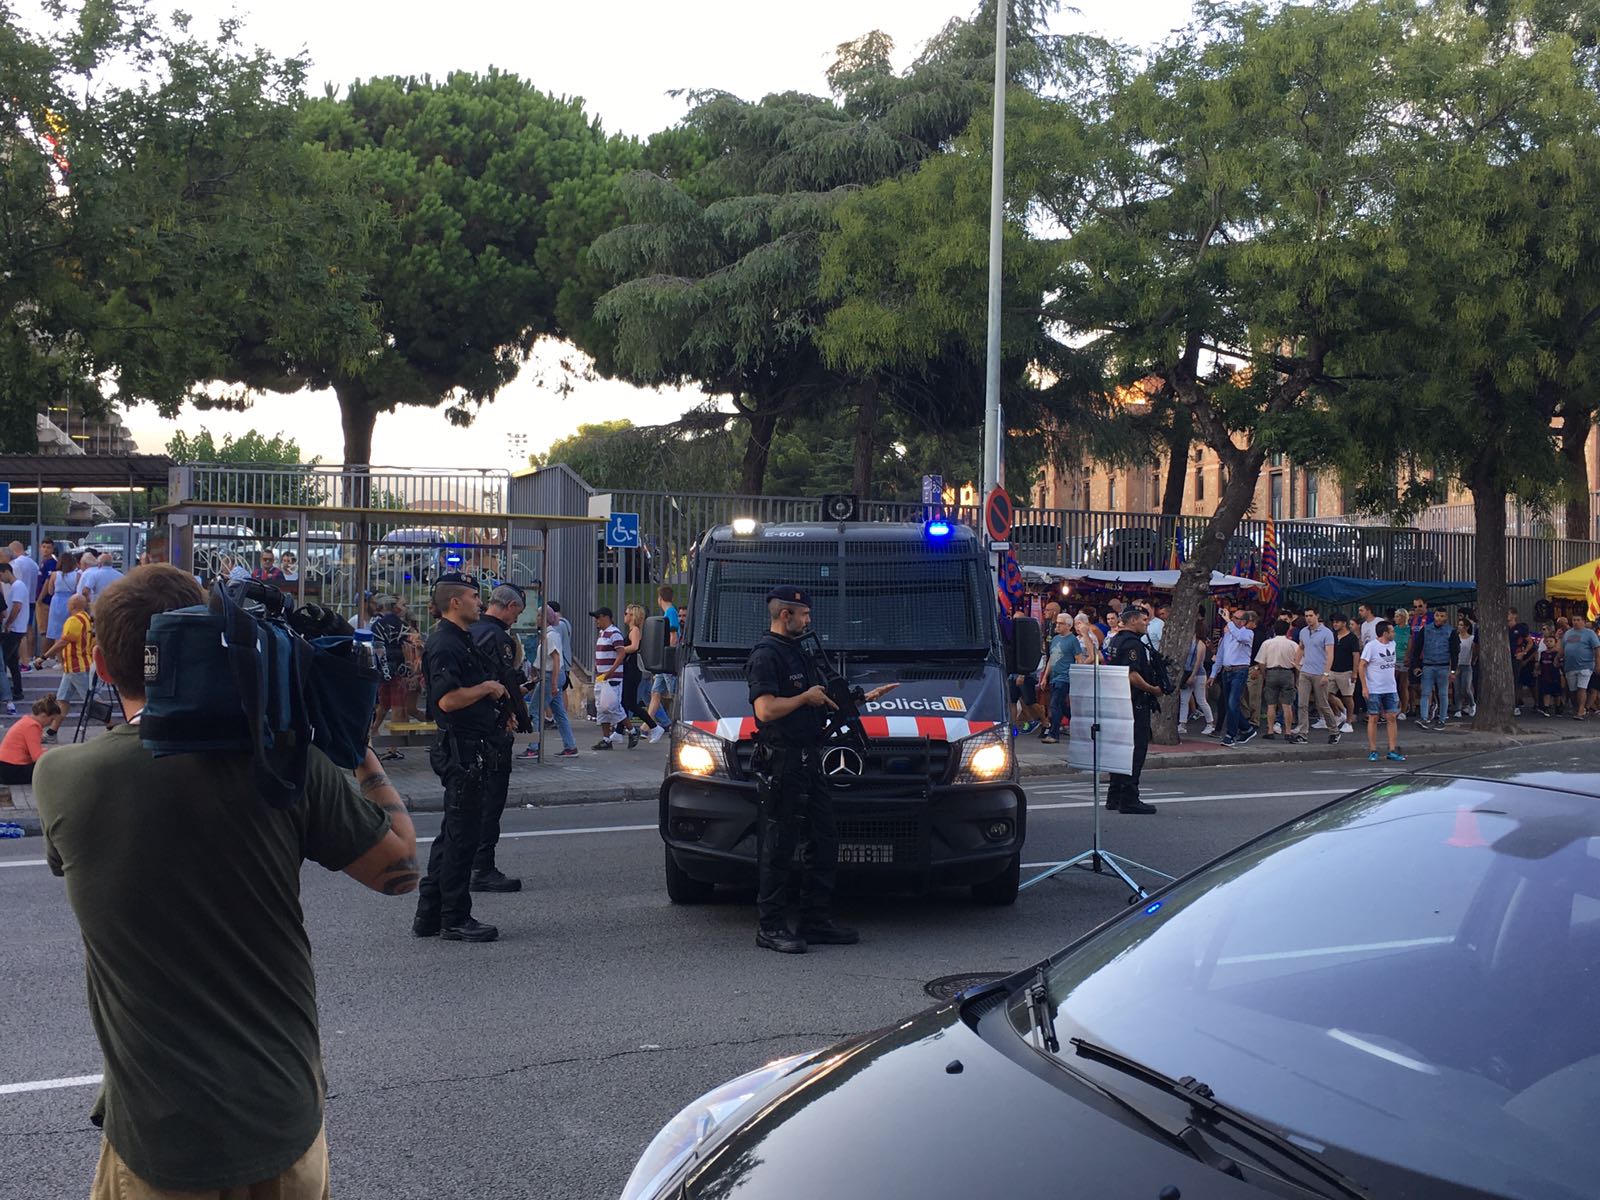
{"points": [[1594, 593], [1269, 569], [1175, 562]]}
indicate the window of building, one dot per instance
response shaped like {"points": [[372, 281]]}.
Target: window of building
{"points": [[1311, 494], [1199, 483], [1155, 490], [1277, 460], [1111, 492], [1275, 486]]}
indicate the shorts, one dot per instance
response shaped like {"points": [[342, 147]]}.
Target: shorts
{"points": [[306, 1179], [392, 693], [664, 685], [1279, 688], [1342, 683], [74, 686], [1383, 702], [1578, 681], [608, 702]]}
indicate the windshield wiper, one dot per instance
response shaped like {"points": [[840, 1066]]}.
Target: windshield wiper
{"points": [[1206, 1108], [1044, 1017]]}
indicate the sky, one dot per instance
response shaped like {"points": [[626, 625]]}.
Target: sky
{"points": [[623, 58]]}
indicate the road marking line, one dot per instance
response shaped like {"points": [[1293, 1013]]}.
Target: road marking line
{"points": [[1197, 799], [24, 862], [529, 833], [48, 1085]]}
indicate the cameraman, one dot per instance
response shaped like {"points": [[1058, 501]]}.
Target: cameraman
{"points": [[1129, 649], [462, 697], [491, 634], [186, 888]]}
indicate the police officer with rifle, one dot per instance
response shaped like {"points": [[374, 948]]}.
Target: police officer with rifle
{"points": [[463, 696], [1149, 680], [491, 635], [798, 702]]}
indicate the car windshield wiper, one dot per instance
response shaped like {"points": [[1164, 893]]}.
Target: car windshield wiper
{"points": [[1208, 1110]]}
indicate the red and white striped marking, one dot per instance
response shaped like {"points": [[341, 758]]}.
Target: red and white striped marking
{"points": [[935, 729]]}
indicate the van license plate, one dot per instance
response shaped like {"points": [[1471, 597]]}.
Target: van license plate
{"points": [[866, 852]]}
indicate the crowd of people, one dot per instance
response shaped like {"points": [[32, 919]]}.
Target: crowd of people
{"points": [[1300, 674]]}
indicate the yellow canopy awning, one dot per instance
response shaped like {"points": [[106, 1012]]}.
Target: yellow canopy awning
{"points": [[1573, 584]]}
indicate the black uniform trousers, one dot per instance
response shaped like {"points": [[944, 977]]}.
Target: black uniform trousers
{"points": [[1126, 787], [443, 891], [11, 650], [795, 802], [497, 785]]}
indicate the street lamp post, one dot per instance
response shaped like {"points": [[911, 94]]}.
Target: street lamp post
{"points": [[991, 388]]}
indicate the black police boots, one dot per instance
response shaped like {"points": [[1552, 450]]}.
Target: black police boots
{"points": [[493, 880], [780, 939], [828, 933], [1136, 806], [469, 930]]}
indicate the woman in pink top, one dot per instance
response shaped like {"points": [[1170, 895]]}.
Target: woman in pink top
{"points": [[23, 744]]}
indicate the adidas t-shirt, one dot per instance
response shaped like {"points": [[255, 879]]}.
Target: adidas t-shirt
{"points": [[1379, 657]]}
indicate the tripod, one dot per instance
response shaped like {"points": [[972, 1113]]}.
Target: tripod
{"points": [[1098, 859], [113, 707]]}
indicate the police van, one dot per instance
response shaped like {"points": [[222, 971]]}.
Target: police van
{"points": [[931, 798]]}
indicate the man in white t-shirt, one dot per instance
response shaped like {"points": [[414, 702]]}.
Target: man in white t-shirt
{"points": [[1369, 626], [1378, 684], [27, 571], [19, 606], [100, 575]]}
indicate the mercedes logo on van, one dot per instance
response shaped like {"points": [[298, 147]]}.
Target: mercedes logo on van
{"points": [[841, 761]]}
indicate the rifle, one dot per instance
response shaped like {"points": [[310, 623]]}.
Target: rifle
{"points": [[843, 723], [512, 706]]}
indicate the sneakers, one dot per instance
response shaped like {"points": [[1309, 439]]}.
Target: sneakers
{"points": [[1027, 727], [781, 940], [827, 933], [11, 709], [1227, 741], [469, 931], [1250, 732], [1373, 757], [656, 734], [1296, 739], [1277, 727], [531, 752], [1515, 712], [1333, 738], [1319, 724], [633, 737], [49, 735], [1395, 756], [1347, 728], [1400, 716], [1208, 730], [603, 744]]}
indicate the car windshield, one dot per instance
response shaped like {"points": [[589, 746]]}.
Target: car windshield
{"points": [[888, 597], [1411, 976]]}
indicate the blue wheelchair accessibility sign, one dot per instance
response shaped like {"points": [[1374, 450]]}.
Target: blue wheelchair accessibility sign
{"points": [[622, 531]]}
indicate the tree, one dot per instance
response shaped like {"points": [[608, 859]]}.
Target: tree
{"points": [[492, 190], [151, 225], [1487, 330], [251, 447], [256, 452], [1220, 229], [693, 454]]}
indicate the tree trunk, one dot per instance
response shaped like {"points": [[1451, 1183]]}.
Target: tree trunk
{"points": [[864, 451], [357, 417], [1576, 422], [1177, 468], [1493, 682], [753, 474], [1194, 579]]}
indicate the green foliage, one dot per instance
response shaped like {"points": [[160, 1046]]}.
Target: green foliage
{"points": [[153, 225], [250, 447]]}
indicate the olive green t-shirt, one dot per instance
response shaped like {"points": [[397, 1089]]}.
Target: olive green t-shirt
{"points": [[186, 887]]}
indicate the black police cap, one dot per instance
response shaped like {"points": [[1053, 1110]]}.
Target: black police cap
{"points": [[456, 577], [790, 595]]}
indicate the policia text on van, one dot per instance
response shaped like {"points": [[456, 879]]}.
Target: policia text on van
{"points": [[934, 799]]}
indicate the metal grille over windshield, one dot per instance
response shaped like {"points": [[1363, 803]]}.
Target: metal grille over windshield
{"points": [[895, 595]]}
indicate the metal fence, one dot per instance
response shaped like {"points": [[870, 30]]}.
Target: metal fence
{"points": [[671, 523], [1522, 520]]}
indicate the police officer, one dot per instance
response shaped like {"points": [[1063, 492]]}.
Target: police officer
{"points": [[491, 634], [790, 705], [462, 698], [1129, 649]]}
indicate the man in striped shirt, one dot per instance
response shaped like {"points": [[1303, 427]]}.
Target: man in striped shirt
{"points": [[75, 649], [609, 649]]}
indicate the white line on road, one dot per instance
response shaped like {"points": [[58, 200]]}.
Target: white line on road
{"points": [[24, 862], [1197, 799], [48, 1085]]}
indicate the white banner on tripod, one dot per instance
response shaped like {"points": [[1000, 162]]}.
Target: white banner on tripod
{"points": [[1101, 696]]}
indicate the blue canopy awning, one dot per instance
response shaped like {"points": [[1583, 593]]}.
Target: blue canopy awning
{"points": [[1387, 594]]}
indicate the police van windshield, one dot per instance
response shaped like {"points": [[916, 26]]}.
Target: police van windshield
{"points": [[905, 603]]}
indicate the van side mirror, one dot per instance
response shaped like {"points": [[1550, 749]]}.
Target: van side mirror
{"points": [[654, 654], [1028, 642]]}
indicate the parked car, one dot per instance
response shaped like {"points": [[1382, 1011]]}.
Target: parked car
{"points": [[1126, 548], [1402, 554], [218, 546], [118, 537], [1392, 995]]}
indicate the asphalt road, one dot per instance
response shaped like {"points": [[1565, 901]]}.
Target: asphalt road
{"points": [[540, 1065]]}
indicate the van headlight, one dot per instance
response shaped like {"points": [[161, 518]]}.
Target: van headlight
{"points": [[696, 752], [985, 756], [682, 1137]]}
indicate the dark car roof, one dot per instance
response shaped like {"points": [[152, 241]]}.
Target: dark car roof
{"points": [[1572, 765]]}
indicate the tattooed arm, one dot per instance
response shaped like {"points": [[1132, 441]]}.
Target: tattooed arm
{"points": [[389, 867]]}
